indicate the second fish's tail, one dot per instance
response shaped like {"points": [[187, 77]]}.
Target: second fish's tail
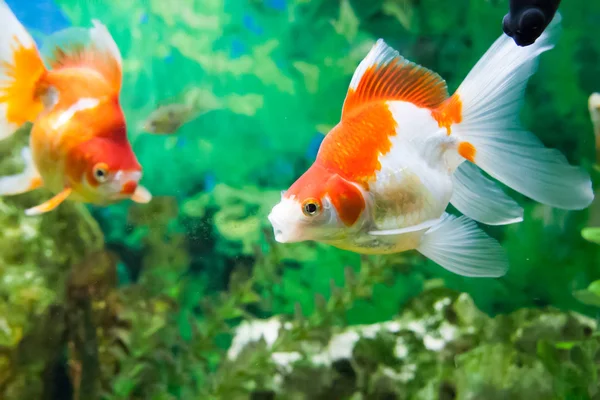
{"points": [[21, 75]]}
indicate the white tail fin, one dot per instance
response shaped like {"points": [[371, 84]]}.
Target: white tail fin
{"points": [[490, 135], [21, 67]]}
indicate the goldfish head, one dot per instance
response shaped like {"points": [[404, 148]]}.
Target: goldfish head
{"points": [[319, 206], [107, 171]]}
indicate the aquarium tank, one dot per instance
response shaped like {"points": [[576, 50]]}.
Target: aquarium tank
{"points": [[189, 296]]}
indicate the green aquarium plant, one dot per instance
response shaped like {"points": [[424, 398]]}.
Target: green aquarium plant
{"points": [[36, 261], [590, 295]]}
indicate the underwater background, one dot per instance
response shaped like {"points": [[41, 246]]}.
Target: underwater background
{"points": [[190, 297]]}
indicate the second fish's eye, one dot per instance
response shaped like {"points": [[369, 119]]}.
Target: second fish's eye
{"points": [[311, 208], [100, 172]]}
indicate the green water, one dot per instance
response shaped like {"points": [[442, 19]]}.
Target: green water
{"points": [[145, 301]]}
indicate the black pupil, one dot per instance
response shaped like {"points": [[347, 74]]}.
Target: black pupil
{"points": [[99, 173], [311, 208]]}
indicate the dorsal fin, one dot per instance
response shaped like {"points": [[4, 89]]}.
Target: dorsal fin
{"points": [[385, 75], [92, 48]]}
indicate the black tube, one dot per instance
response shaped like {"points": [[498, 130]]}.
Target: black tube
{"points": [[527, 19]]}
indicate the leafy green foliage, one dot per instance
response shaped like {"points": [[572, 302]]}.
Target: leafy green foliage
{"points": [[589, 296], [37, 256], [591, 234]]}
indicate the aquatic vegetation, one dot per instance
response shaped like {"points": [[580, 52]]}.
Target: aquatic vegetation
{"points": [[590, 295], [440, 346], [36, 259], [238, 215]]}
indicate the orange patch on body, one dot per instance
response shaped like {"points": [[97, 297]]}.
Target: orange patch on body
{"points": [[467, 150], [352, 149], [448, 113], [21, 91], [75, 83]]}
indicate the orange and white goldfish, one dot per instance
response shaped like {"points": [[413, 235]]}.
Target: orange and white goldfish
{"points": [[78, 146], [405, 149]]}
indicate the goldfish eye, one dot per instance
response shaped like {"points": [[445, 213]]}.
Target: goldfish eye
{"points": [[311, 207], [100, 172]]}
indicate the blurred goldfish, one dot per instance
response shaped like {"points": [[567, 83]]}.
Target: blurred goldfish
{"points": [[78, 145], [405, 149], [169, 118], [189, 105]]}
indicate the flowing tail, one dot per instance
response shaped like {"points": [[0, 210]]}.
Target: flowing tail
{"points": [[484, 119], [21, 73]]}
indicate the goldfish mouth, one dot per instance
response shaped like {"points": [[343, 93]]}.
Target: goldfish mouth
{"points": [[285, 227], [126, 182], [278, 233], [283, 233], [129, 188], [277, 229]]}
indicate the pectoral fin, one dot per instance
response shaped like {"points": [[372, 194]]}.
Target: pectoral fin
{"points": [[141, 195], [460, 246], [50, 204], [23, 182], [414, 228]]}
